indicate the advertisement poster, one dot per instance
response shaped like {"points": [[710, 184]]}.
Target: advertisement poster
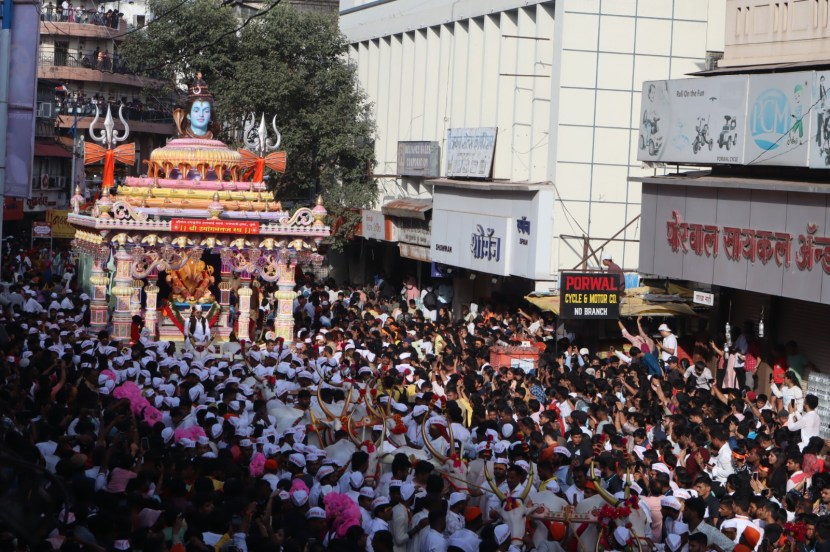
{"points": [[693, 120], [589, 296], [470, 152], [778, 128], [820, 114]]}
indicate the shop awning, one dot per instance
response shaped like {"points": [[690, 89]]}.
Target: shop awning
{"points": [[408, 208], [634, 303], [51, 150], [415, 252]]}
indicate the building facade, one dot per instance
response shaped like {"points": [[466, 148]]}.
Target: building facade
{"points": [[753, 228], [79, 68], [541, 99]]}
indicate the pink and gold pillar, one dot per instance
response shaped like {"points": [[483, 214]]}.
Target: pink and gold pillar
{"points": [[151, 313], [284, 323], [123, 291], [99, 304], [244, 297]]}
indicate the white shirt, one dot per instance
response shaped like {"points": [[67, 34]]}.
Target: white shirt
{"points": [[669, 342], [722, 464], [201, 331], [809, 424], [32, 306], [434, 542], [788, 394]]}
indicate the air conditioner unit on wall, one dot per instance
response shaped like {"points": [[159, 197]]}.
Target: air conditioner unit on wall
{"points": [[44, 109]]}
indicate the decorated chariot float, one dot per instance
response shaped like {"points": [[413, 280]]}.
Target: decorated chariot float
{"points": [[200, 225]]}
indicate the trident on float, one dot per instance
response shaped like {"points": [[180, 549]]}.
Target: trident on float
{"points": [[257, 145], [107, 152]]}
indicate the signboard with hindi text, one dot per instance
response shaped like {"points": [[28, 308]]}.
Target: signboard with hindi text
{"points": [[246, 227], [470, 152], [586, 296], [419, 159], [56, 218]]}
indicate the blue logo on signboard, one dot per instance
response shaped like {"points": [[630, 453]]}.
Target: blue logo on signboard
{"points": [[770, 118]]}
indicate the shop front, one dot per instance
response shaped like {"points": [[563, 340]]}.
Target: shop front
{"points": [[497, 233], [766, 243]]}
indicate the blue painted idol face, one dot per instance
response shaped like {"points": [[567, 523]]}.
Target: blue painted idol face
{"points": [[200, 117]]}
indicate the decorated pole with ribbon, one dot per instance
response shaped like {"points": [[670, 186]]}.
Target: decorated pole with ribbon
{"points": [[108, 152], [257, 145]]}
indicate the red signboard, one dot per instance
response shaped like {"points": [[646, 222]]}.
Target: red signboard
{"points": [[215, 226], [807, 249]]}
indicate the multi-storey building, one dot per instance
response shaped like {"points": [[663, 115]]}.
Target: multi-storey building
{"points": [[79, 68], [518, 119], [753, 228]]}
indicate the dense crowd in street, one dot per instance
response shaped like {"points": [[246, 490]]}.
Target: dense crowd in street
{"points": [[382, 425]]}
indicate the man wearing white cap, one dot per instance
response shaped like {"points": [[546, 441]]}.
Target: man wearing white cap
{"points": [[668, 345], [455, 513]]}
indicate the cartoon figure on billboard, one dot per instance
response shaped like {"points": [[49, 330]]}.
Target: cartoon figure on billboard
{"points": [[797, 129], [729, 135], [822, 122], [651, 137], [702, 138]]}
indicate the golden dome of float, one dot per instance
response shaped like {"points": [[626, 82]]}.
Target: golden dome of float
{"points": [[210, 159]]}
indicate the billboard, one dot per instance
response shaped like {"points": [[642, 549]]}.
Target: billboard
{"points": [[589, 296], [470, 240], [20, 132], [419, 159], [761, 119], [56, 219], [470, 152], [820, 148], [777, 129], [693, 120]]}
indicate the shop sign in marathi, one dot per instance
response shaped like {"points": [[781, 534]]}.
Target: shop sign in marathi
{"points": [[60, 227], [805, 251], [703, 298], [245, 227], [470, 152], [373, 224], [414, 235], [523, 231], [41, 201], [41, 229], [589, 296], [472, 241], [419, 159]]}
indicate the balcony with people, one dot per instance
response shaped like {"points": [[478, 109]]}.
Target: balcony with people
{"points": [[98, 65], [149, 115], [81, 19]]}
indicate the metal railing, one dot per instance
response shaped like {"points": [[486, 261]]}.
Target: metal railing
{"points": [[133, 111], [56, 14], [49, 183], [98, 60]]}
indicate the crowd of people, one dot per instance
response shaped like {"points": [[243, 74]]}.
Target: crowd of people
{"points": [[382, 425], [67, 12], [134, 108]]}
